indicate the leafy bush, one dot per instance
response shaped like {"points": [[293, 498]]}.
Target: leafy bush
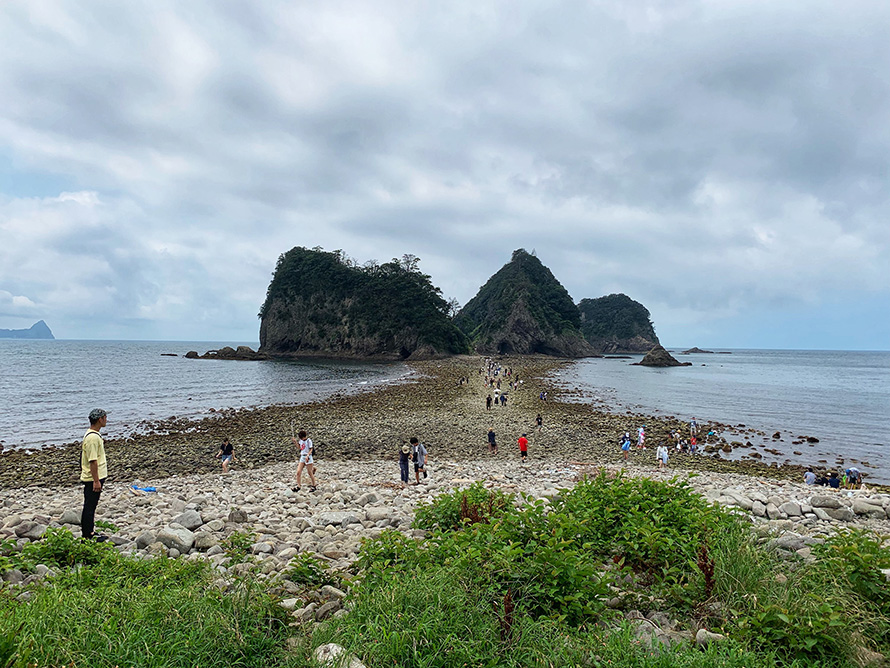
{"points": [[237, 546], [654, 528], [521, 554], [448, 512], [59, 548], [307, 569]]}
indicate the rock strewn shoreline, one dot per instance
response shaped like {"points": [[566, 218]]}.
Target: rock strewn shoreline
{"points": [[450, 417], [193, 514]]}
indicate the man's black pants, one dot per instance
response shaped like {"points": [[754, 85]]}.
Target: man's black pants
{"points": [[88, 516]]}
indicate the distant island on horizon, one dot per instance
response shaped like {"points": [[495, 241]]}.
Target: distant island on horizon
{"points": [[39, 330]]}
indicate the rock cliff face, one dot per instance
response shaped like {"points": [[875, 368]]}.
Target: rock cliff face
{"points": [[616, 323], [322, 304], [39, 330], [523, 309]]}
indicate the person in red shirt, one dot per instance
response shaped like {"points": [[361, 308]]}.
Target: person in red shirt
{"points": [[523, 447]]}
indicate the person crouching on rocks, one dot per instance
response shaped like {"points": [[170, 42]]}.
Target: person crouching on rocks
{"points": [[306, 460]]}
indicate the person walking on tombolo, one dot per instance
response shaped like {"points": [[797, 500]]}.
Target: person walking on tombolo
{"points": [[661, 454], [625, 445], [93, 472], [404, 459], [306, 460], [418, 454], [226, 454], [492, 442], [523, 447]]}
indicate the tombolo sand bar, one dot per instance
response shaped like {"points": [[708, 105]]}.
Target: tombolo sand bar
{"points": [[450, 417]]}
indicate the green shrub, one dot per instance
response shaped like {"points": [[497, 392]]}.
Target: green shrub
{"points": [[307, 569], [59, 548], [448, 512], [654, 528], [237, 546]]}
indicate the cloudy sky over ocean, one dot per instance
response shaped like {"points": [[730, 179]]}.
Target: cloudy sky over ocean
{"points": [[726, 163]]}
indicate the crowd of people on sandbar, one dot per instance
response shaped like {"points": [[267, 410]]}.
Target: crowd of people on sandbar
{"points": [[94, 464], [850, 478]]}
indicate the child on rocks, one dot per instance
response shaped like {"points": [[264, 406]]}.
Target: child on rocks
{"points": [[625, 445], [404, 458], [661, 454], [226, 454]]}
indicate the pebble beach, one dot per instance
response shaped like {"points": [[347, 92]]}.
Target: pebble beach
{"points": [[449, 417], [194, 507]]}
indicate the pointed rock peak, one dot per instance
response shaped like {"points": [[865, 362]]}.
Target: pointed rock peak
{"points": [[658, 356], [523, 309]]}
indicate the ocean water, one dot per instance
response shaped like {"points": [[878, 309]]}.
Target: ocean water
{"points": [[840, 397], [47, 388]]}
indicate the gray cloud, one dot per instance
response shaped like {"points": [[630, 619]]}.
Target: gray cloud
{"points": [[708, 159]]}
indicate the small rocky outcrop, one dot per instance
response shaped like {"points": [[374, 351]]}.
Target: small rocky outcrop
{"points": [[228, 353], [658, 356], [696, 350]]}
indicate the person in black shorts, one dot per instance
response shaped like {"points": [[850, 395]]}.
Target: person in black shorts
{"points": [[418, 454], [226, 454], [492, 442]]}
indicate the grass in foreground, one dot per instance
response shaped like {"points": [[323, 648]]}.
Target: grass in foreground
{"points": [[117, 611], [498, 582]]}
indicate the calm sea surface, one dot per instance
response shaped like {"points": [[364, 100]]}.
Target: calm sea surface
{"points": [[47, 388], [842, 398]]}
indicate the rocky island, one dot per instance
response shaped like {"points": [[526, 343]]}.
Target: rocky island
{"points": [[39, 330], [617, 324], [325, 304], [523, 310]]}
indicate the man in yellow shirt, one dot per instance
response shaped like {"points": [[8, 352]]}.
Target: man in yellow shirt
{"points": [[93, 472]]}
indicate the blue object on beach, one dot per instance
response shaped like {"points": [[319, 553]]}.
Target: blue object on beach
{"points": [[145, 489]]}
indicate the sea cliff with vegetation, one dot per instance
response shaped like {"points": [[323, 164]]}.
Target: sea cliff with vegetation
{"points": [[326, 304], [523, 309], [617, 324]]}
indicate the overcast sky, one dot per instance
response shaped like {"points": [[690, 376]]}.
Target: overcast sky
{"points": [[725, 163]]}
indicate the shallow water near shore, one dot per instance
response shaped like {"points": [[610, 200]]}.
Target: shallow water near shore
{"points": [[47, 388], [840, 397]]}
